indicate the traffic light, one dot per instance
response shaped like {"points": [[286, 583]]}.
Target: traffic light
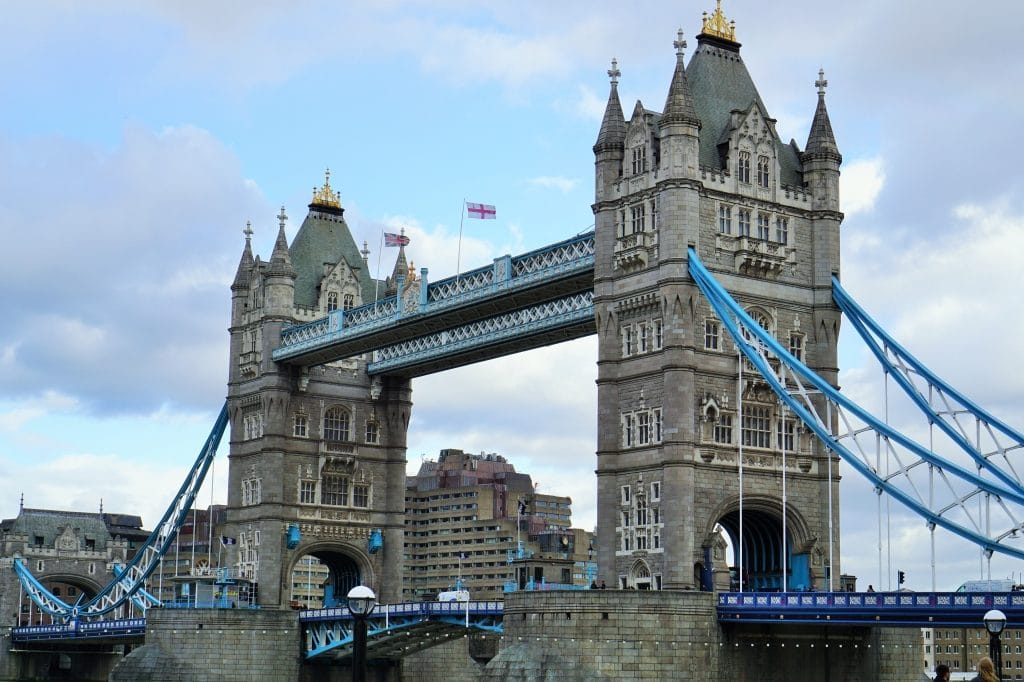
{"points": [[901, 576]]}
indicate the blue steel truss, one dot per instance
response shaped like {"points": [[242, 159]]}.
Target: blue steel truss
{"points": [[129, 580], [947, 408], [394, 630], [507, 277], [889, 609], [944, 493], [572, 312]]}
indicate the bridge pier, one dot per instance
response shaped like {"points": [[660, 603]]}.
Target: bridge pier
{"points": [[656, 635]]}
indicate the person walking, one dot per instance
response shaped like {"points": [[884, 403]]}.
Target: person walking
{"points": [[986, 671]]}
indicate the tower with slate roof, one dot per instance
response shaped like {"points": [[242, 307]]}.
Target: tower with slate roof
{"points": [[317, 456], [709, 171]]}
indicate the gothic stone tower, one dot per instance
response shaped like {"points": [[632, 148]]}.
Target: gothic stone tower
{"points": [[323, 448], [710, 171]]}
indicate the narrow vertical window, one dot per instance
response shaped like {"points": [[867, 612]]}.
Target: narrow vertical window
{"points": [[637, 217], [782, 230], [762, 171], [763, 229], [655, 216], [711, 334], [796, 346], [332, 301], [627, 340], [300, 427], [645, 334], [743, 167], [725, 219], [372, 432], [349, 302], [744, 230], [723, 429], [628, 430], [658, 335], [656, 424], [643, 428]]}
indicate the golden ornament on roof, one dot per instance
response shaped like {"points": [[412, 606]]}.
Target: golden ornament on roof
{"points": [[717, 25], [325, 196]]}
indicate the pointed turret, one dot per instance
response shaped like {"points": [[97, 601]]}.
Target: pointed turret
{"points": [[243, 274], [613, 126], [679, 103], [280, 275], [821, 143]]}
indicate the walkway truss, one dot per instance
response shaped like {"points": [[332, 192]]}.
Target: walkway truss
{"points": [[974, 491], [129, 580]]}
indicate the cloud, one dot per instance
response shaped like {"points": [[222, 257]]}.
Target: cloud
{"points": [[860, 184], [564, 185], [139, 269]]}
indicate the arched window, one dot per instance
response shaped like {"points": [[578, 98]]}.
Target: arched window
{"points": [[336, 424], [350, 301], [332, 301]]}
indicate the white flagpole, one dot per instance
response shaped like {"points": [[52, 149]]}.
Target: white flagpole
{"points": [[739, 411], [458, 257], [376, 281]]}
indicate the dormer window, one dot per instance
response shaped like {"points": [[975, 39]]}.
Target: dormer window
{"points": [[349, 302], [743, 167], [762, 171], [332, 301]]}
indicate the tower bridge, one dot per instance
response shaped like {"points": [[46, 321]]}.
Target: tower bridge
{"points": [[711, 281]]}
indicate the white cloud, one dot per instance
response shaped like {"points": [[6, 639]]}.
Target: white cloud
{"points": [[589, 105], [554, 182], [860, 184]]}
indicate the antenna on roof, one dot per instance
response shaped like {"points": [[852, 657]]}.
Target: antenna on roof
{"points": [[21, 505], [101, 505]]}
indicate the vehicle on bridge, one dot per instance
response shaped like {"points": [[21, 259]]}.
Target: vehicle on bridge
{"points": [[1004, 585]]}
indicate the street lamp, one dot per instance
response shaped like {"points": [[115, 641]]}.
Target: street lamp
{"points": [[995, 621], [591, 567], [361, 602]]}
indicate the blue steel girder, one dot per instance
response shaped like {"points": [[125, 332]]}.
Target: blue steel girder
{"points": [[888, 609], [539, 325], [556, 271], [130, 578], [943, 493], [966, 423], [397, 630]]}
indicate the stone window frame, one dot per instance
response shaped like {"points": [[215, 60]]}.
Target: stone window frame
{"points": [[639, 154], [252, 422], [337, 421], [335, 489], [642, 428], [372, 431], [300, 426], [628, 341], [252, 491], [782, 230], [308, 489], [658, 334], [361, 495], [638, 218], [797, 345], [722, 431], [764, 225], [625, 494], [712, 334], [763, 167], [743, 222], [332, 301], [790, 429], [724, 218], [743, 167], [348, 302], [756, 425]]}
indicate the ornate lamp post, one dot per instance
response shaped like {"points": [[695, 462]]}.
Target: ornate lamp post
{"points": [[361, 602], [995, 621]]}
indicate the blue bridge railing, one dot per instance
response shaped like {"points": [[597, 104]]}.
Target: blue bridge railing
{"points": [[123, 628], [894, 609]]}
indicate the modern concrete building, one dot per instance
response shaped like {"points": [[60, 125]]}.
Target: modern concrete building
{"points": [[466, 516]]}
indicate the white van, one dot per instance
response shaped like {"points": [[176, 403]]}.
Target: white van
{"points": [[1005, 585]]}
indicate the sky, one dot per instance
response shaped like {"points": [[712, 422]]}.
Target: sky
{"points": [[138, 139]]}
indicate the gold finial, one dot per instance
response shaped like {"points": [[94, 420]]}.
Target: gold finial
{"points": [[412, 271], [325, 196], [717, 25]]}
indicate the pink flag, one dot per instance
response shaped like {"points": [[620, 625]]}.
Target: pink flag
{"points": [[481, 211], [392, 239]]}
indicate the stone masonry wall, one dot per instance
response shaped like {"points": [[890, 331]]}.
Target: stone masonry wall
{"points": [[222, 645]]}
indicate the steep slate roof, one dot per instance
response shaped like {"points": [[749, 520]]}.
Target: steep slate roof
{"points": [[46, 523], [325, 238], [720, 83]]}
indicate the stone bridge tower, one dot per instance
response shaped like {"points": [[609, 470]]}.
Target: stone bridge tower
{"points": [[710, 171], [317, 455]]}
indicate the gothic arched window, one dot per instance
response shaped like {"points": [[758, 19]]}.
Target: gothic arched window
{"points": [[332, 301], [336, 424]]}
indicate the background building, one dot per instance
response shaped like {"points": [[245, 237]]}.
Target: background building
{"points": [[466, 515]]}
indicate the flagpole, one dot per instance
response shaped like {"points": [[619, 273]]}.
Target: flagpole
{"points": [[376, 281], [458, 257]]}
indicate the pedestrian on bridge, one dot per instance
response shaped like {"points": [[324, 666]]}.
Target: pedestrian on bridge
{"points": [[942, 673], [986, 671]]}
